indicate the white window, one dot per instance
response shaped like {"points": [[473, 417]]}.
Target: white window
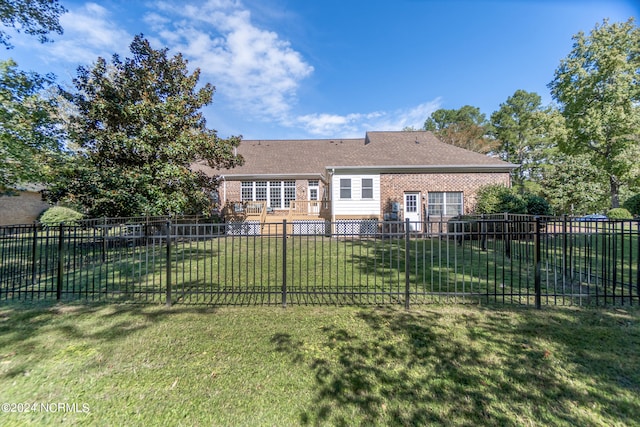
{"points": [[277, 194], [289, 192], [314, 186], [445, 203], [345, 188], [247, 191], [367, 188], [261, 191]]}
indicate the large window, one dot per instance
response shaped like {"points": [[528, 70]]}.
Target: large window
{"points": [[445, 203], [289, 192], [345, 188], [261, 190], [367, 188], [277, 194]]}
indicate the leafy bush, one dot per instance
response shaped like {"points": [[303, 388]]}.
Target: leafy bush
{"points": [[57, 214], [633, 204], [619, 213], [537, 205], [499, 199]]}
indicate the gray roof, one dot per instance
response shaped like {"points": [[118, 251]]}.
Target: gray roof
{"points": [[413, 150]]}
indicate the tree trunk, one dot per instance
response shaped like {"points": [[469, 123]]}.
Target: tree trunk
{"points": [[615, 192]]}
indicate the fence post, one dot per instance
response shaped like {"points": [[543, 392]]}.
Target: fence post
{"points": [[104, 239], [565, 247], [34, 253], [538, 266], [284, 263], [168, 263], [60, 261], [406, 263]]}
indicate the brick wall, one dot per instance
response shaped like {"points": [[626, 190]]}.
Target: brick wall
{"points": [[22, 209], [393, 186]]}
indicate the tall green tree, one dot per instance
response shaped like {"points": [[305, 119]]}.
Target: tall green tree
{"points": [[466, 127], [140, 130], [598, 88], [29, 135], [574, 186], [525, 131], [34, 17]]}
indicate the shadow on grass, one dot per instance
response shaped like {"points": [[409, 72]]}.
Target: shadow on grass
{"points": [[503, 367], [26, 327]]}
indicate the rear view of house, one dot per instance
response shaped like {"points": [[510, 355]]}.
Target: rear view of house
{"points": [[384, 176]]}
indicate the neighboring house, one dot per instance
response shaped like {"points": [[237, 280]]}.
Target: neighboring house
{"points": [[386, 175], [24, 207]]}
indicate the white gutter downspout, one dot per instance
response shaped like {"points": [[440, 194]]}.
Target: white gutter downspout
{"points": [[333, 207]]}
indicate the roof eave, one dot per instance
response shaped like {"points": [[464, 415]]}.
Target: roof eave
{"points": [[272, 176], [507, 167]]}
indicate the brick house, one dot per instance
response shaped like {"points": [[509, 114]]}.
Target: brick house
{"points": [[386, 175], [22, 208]]}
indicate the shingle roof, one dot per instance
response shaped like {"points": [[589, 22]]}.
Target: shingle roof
{"points": [[386, 150]]}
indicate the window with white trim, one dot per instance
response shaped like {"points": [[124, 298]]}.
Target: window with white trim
{"points": [[247, 191], [289, 192], [345, 188], [445, 203], [314, 186], [367, 188], [277, 194], [261, 191]]}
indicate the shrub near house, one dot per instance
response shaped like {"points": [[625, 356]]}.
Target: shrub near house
{"points": [[59, 214]]}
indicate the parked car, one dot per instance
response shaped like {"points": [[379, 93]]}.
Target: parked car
{"points": [[592, 217]]}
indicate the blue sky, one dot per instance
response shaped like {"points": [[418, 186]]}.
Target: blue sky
{"points": [[334, 68]]}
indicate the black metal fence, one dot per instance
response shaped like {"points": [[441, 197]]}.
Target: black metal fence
{"points": [[503, 258]]}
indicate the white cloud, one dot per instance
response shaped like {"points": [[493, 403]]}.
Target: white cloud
{"points": [[356, 124], [254, 69], [89, 32]]}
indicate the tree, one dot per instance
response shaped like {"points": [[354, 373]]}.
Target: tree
{"points": [[598, 88], [139, 130], [496, 198], [525, 133], [34, 17], [573, 185], [29, 136], [465, 127]]}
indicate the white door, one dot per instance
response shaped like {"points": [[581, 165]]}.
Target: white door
{"points": [[412, 211], [314, 203]]}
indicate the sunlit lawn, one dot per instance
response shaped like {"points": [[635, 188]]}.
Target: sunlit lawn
{"points": [[432, 365]]}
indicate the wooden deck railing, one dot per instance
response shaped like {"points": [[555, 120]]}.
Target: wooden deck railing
{"points": [[258, 211], [306, 207]]}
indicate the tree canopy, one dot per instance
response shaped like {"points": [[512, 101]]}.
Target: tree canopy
{"points": [[140, 130], [29, 136], [465, 127], [525, 132], [598, 88], [34, 17]]}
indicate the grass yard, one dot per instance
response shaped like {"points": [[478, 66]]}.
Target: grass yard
{"points": [[140, 365]]}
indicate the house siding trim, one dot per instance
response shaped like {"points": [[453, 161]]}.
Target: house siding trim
{"points": [[356, 205]]}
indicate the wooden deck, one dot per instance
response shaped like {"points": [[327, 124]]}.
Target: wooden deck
{"points": [[299, 210]]}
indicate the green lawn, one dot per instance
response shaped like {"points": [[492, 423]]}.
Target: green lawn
{"points": [[307, 365]]}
